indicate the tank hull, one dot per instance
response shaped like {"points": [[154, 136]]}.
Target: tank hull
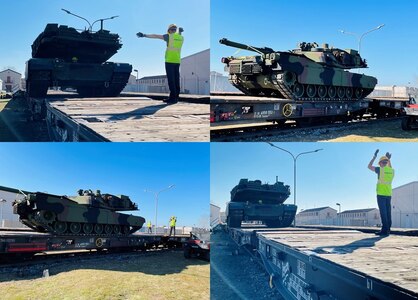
{"points": [[61, 215], [89, 79]]}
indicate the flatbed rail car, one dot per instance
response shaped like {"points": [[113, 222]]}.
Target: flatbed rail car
{"points": [[232, 110], [28, 243], [334, 264]]}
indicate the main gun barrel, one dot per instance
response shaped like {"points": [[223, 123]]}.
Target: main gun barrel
{"points": [[227, 42]]}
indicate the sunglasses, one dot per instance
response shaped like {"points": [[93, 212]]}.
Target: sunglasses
{"points": [[172, 29], [384, 162]]}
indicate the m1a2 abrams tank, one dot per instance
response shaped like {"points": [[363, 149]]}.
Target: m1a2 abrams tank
{"points": [[65, 57], [309, 72], [252, 200], [87, 213]]}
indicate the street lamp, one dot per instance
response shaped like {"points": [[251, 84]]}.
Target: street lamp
{"points": [[2, 201], [137, 83], [294, 169], [156, 194], [361, 37], [339, 212]]}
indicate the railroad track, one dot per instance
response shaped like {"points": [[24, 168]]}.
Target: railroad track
{"points": [[254, 132]]}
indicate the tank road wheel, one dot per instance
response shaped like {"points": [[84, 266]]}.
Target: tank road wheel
{"points": [[332, 92], [289, 78], [311, 91], [116, 229], [274, 223], [87, 228], [125, 229], [98, 228], [358, 93], [75, 227], [60, 227], [406, 123], [108, 229], [322, 91], [298, 90], [349, 92], [340, 92]]}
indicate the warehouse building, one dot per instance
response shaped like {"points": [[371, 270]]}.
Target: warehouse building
{"points": [[11, 80], [317, 216], [405, 206]]}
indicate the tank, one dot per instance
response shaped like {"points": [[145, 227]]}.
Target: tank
{"points": [[68, 58], [255, 201], [308, 72], [86, 213]]}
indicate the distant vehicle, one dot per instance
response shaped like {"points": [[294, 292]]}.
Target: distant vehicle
{"points": [[198, 245], [410, 111], [254, 201], [87, 213], [309, 72]]}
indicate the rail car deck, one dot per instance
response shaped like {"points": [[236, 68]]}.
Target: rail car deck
{"points": [[126, 119], [335, 264], [230, 110], [30, 242]]}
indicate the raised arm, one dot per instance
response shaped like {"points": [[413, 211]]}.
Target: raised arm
{"points": [[370, 166], [150, 36]]}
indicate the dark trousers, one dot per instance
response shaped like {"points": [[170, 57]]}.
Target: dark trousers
{"points": [[173, 230], [149, 229], [173, 78], [385, 212]]}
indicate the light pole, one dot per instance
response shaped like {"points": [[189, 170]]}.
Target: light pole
{"points": [[295, 158], [2, 201], [137, 83], [361, 37], [156, 194], [339, 212]]}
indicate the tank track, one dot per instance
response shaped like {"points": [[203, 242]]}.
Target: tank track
{"points": [[110, 89]]}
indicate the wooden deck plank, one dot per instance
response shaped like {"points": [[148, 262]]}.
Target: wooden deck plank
{"points": [[392, 259], [137, 119]]}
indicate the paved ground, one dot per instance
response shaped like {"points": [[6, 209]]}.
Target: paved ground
{"points": [[236, 276]]}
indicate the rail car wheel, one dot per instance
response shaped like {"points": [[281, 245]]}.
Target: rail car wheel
{"points": [[406, 123], [87, 228], [322, 91], [75, 227], [332, 92], [98, 228], [358, 93], [340, 92], [116, 229], [108, 229], [60, 227], [298, 90], [311, 91], [349, 92]]}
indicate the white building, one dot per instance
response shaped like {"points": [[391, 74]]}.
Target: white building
{"points": [[394, 91], [405, 206], [194, 78], [194, 73], [7, 218], [317, 216], [215, 215], [11, 80], [220, 83], [360, 217], [1, 85]]}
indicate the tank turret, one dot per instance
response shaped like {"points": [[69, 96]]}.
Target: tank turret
{"points": [[85, 213], [255, 201], [308, 72]]}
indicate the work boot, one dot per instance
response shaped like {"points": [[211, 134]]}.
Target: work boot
{"points": [[170, 101]]}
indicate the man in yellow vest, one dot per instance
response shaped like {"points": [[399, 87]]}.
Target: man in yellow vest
{"points": [[149, 226], [174, 41], [385, 175], [173, 221]]}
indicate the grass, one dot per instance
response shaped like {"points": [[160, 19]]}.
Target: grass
{"points": [[164, 275]]}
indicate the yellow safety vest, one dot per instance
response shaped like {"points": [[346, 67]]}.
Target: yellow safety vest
{"points": [[384, 184], [172, 53], [173, 222], [149, 224]]}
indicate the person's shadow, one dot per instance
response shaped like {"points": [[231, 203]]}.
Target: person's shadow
{"points": [[138, 113], [349, 248]]}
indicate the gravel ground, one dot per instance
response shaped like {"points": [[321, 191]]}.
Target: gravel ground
{"points": [[236, 276]]}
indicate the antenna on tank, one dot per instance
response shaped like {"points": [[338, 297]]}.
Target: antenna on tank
{"points": [[70, 13]]}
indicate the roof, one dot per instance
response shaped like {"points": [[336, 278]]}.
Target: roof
{"points": [[358, 210], [153, 77], [215, 205], [316, 209], [12, 190], [10, 71], [197, 53], [406, 184]]}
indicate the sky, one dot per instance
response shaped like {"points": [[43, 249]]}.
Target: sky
{"points": [[336, 174], [117, 168], [391, 52], [21, 26]]}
